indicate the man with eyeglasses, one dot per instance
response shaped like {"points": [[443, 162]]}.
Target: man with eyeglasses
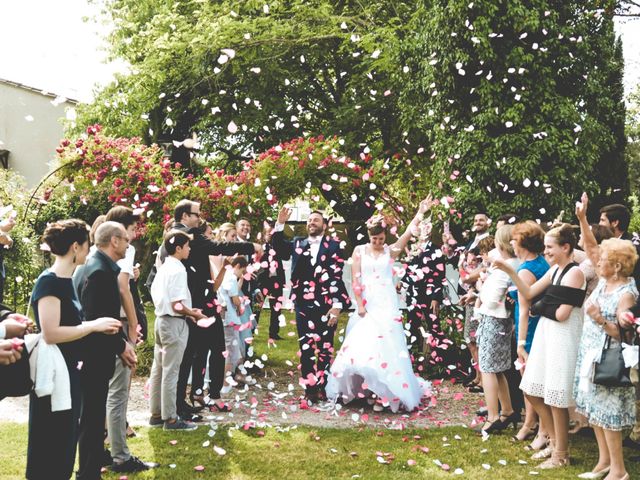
{"points": [[99, 294], [187, 218]]}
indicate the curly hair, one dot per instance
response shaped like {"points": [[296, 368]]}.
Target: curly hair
{"points": [[529, 236], [622, 252]]}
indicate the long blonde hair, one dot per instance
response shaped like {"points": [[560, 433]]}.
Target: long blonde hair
{"points": [[503, 239], [223, 230]]}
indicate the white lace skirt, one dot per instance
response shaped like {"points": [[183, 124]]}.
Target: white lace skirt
{"points": [[550, 369]]}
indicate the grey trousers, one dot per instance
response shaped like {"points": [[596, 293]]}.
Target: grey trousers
{"points": [[172, 334], [117, 402]]}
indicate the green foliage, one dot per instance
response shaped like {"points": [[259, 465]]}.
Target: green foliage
{"points": [[632, 130], [513, 96], [312, 67], [22, 263]]}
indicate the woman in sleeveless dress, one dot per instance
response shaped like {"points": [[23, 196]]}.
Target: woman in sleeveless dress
{"points": [[609, 410], [550, 368], [374, 361]]}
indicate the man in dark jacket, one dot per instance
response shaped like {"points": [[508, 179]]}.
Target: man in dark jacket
{"points": [[271, 282], [99, 294], [319, 294], [187, 218]]}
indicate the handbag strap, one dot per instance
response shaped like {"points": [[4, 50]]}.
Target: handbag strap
{"points": [[608, 340], [564, 272]]}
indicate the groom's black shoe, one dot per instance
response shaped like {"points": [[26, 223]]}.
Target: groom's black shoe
{"points": [[311, 395]]}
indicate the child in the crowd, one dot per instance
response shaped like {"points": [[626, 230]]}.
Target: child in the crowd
{"points": [[230, 296], [172, 300]]}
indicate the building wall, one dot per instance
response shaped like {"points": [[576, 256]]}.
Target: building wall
{"points": [[31, 129]]}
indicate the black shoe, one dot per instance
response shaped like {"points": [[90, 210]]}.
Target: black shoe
{"points": [[514, 419], [275, 337], [189, 417], [106, 459], [494, 427], [134, 464], [627, 442], [482, 412], [186, 408]]}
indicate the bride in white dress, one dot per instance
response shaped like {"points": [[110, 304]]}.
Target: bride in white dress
{"points": [[374, 361]]}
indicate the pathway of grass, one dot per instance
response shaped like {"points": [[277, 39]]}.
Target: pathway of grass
{"points": [[305, 452]]}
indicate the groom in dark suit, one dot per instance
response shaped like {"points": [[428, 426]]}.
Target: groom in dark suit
{"points": [[318, 293]]}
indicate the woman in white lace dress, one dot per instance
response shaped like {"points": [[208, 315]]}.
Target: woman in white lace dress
{"points": [[551, 365], [374, 361]]}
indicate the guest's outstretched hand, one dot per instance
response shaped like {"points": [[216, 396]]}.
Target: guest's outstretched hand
{"points": [[9, 353], [502, 265], [426, 204], [284, 214], [581, 207]]}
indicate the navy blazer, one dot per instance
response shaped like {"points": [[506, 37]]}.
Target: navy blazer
{"points": [[326, 274]]}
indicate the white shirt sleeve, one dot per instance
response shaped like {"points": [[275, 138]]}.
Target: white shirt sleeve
{"points": [[126, 264], [179, 288], [3, 331], [278, 227]]}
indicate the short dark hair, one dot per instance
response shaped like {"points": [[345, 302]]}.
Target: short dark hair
{"points": [[60, 235], [318, 212], [183, 206], [239, 262], [174, 239], [618, 212], [601, 232], [123, 215], [508, 218], [241, 219]]}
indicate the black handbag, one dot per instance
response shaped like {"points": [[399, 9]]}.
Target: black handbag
{"points": [[15, 379], [610, 371]]}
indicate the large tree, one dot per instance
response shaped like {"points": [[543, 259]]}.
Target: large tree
{"points": [[516, 97], [245, 76]]}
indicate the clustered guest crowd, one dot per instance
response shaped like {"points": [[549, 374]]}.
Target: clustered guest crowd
{"points": [[548, 321]]}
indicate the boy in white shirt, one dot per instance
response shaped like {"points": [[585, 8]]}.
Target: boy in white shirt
{"points": [[172, 300]]}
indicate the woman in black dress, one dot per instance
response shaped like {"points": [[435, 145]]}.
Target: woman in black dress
{"points": [[53, 435]]}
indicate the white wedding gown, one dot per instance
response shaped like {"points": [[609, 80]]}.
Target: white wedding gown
{"points": [[374, 357]]}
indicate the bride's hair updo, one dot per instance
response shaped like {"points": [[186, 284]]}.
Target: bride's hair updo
{"points": [[376, 225]]}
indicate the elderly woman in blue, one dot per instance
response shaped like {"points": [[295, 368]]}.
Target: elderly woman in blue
{"points": [[609, 409]]}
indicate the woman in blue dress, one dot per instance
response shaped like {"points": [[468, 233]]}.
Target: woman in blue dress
{"points": [[527, 240]]}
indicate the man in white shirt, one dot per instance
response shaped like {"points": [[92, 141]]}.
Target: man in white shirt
{"points": [[172, 300]]}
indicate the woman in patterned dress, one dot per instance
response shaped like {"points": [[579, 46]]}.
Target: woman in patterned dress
{"points": [[609, 410]]}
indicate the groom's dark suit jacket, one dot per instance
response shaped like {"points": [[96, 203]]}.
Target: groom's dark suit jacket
{"points": [[320, 284]]}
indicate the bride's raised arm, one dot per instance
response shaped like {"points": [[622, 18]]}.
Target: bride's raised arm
{"points": [[356, 279], [398, 247]]}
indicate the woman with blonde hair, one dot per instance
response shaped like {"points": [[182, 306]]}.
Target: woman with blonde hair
{"points": [[609, 409], [550, 368], [494, 338]]}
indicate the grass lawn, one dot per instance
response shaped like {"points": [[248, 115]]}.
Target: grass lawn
{"points": [[303, 452]]}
